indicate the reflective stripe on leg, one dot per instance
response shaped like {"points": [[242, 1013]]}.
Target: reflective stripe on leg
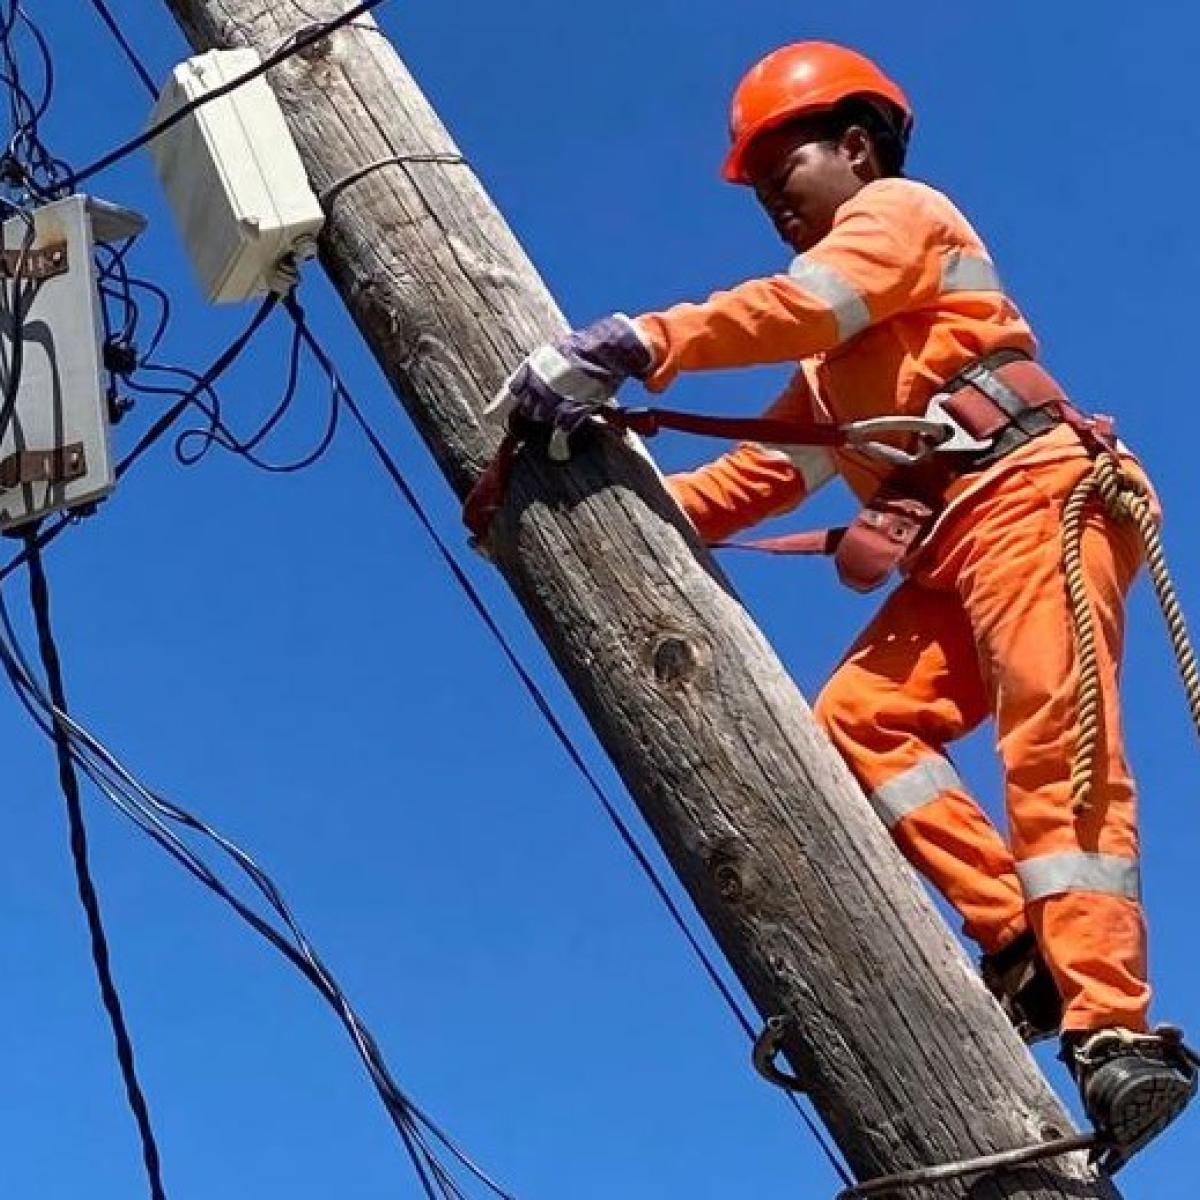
{"points": [[913, 789], [1079, 871]]}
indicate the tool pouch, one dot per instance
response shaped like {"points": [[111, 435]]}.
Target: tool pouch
{"points": [[882, 534]]}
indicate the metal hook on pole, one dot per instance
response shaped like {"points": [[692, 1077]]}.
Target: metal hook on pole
{"points": [[766, 1047]]}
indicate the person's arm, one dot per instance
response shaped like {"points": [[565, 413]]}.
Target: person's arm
{"points": [[884, 254], [753, 482]]}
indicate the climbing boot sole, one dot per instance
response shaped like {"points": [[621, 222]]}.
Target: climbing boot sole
{"points": [[1141, 1106]]}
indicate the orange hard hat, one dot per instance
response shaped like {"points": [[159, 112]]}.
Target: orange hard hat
{"points": [[806, 77]]}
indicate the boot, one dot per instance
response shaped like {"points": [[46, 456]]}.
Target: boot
{"points": [[1022, 984], [1133, 1085]]}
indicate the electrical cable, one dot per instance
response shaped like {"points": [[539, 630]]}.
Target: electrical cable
{"points": [[14, 311], [219, 366], [542, 703], [414, 1127], [218, 433], [149, 812], [116, 286], [26, 161], [114, 27], [39, 596], [292, 47]]}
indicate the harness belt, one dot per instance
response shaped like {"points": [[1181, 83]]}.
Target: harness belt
{"points": [[992, 407]]}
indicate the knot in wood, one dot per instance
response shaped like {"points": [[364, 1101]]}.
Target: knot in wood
{"points": [[731, 874], [675, 660], [729, 882], [315, 50]]}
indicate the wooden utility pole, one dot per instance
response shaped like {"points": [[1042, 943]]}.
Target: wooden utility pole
{"points": [[908, 1061]]}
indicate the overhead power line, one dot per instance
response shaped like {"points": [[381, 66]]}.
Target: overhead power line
{"points": [[305, 38], [545, 708], [114, 27], [155, 816], [435, 1156], [533, 689], [39, 597], [536, 693]]}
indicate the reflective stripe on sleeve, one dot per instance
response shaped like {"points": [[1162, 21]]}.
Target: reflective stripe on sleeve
{"points": [[1079, 871], [815, 464], [963, 272], [913, 789], [849, 308]]}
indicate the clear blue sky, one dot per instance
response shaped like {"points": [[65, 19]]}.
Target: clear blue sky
{"points": [[288, 657]]}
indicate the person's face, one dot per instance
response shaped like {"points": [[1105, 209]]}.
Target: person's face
{"points": [[801, 178]]}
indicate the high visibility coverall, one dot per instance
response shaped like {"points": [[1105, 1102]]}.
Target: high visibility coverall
{"points": [[892, 303]]}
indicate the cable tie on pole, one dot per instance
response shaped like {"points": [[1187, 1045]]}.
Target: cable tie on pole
{"points": [[331, 193], [888, 1185]]}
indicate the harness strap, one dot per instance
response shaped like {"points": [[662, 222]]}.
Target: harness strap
{"points": [[1010, 406], [650, 421], [1001, 402], [811, 541], [485, 499]]}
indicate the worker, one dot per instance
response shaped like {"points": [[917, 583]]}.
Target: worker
{"points": [[892, 303]]}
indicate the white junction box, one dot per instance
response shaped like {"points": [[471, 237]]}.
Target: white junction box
{"points": [[233, 177], [54, 436]]}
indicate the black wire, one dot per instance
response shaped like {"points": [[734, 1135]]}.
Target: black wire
{"points": [[294, 46], [39, 596], [624, 832], [412, 1124], [541, 702], [115, 284], [217, 433], [219, 366], [147, 810], [115, 29], [15, 312], [187, 399], [38, 170]]}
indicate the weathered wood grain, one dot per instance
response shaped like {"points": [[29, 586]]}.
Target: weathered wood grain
{"points": [[909, 1061]]}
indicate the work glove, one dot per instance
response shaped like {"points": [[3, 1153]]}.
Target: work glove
{"points": [[564, 382]]}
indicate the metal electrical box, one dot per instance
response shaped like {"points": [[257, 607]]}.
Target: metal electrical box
{"points": [[54, 412], [233, 177]]}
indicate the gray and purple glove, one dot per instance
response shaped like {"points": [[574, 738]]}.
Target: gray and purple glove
{"points": [[564, 382]]}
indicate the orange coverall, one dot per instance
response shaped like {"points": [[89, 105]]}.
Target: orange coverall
{"points": [[892, 303]]}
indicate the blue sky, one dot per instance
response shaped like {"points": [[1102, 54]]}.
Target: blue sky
{"points": [[286, 655]]}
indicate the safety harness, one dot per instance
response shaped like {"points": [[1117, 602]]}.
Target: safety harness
{"points": [[988, 410]]}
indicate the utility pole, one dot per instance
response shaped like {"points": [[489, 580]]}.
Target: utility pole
{"points": [[907, 1059]]}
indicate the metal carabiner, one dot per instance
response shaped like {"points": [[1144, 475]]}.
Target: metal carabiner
{"points": [[863, 436]]}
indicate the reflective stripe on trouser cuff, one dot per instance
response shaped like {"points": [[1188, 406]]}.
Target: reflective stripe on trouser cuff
{"points": [[913, 789], [1079, 871], [963, 272], [849, 308], [815, 464]]}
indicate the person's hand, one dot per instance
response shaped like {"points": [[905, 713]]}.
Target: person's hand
{"points": [[564, 382]]}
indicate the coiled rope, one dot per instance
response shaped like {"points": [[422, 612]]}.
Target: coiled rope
{"points": [[1123, 498]]}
